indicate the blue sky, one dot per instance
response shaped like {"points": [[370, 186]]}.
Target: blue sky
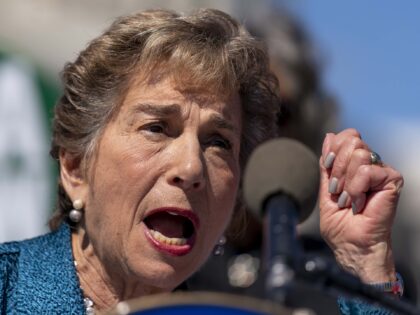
{"points": [[372, 52]]}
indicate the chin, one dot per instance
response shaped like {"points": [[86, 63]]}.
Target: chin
{"points": [[163, 274]]}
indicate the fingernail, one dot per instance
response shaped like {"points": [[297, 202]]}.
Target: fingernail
{"points": [[357, 205], [354, 208], [329, 160], [399, 185], [332, 187], [342, 200]]}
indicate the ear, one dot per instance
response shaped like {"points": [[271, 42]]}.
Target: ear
{"points": [[72, 175]]}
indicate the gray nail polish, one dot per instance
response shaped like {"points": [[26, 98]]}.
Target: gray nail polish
{"points": [[354, 208], [329, 160], [357, 205], [332, 187], [342, 200]]}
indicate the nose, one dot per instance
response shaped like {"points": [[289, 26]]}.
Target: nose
{"points": [[187, 166]]}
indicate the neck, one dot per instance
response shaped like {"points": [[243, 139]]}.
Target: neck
{"points": [[104, 288]]}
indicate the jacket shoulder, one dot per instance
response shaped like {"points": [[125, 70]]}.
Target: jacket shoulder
{"points": [[9, 255], [37, 276], [9, 248]]}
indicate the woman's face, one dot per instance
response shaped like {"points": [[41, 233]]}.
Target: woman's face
{"points": [[162, 186]]}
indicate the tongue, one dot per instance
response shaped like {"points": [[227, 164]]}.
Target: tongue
{"points": [[167, 224]]}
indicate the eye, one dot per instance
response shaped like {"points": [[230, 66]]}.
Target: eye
{"points": [[221, 142], [155, 127]]}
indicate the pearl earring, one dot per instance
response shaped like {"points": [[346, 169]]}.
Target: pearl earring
{"points": [[76, 214], [219, 249]]}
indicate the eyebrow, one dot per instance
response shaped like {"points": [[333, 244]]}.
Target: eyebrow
{"points": [[175, 109], [161, 110], [222, 123]]}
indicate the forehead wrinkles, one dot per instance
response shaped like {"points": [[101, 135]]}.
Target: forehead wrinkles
{"points": [[223, 105], [201, 93], [163, 89]]}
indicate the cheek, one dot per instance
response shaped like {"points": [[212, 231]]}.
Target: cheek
{"points": [[129, 163], [224, 182], [121, 179]]}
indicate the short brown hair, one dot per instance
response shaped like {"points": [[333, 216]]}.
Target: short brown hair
{"points": [[216, 52]]}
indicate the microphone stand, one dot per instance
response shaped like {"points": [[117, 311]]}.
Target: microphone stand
{"points": [[288, 263], [282, 250]]}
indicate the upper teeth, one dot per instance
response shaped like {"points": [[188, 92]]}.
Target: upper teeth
{"points": [[168, 240], [173, 213]]}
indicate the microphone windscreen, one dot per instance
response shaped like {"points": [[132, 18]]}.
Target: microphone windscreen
{"points": [[282, 166]]}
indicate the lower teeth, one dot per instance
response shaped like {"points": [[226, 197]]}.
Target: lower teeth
{"points": [[168, 240]]}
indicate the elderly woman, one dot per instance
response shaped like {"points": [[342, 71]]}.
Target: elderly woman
{"points": [[157, 119]]}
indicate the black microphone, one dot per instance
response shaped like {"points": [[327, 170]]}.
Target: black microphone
{"points": [[281, 183]]}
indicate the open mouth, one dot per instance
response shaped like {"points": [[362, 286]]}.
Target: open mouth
{"points": [[172, 230]]}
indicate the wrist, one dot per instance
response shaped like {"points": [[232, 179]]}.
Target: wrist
{"points": [[372, 265]]}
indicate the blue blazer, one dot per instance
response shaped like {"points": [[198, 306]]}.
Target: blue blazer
{"points": [[38, 276]]}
